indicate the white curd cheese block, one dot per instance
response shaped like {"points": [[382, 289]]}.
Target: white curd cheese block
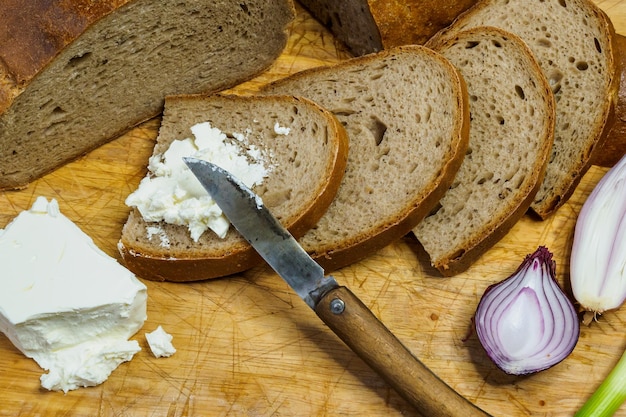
{"points": [[160, 343], [64, 302]]}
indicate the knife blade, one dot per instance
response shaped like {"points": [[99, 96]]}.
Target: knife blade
{"points": [[341, 310]]}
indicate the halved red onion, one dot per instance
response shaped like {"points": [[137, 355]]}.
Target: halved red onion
{"points": [[526, 323]]}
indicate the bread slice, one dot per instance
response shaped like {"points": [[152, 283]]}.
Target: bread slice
{"points": [[75, 74], [367, 26], [308, 164], [573, 40], [512, 112], [406, 113]]}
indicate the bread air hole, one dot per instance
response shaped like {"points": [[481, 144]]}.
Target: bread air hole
{"points": [[472, 44], [78, 60], [582, 66], [520, 92], [544, 42], [377, 128], [596, 42], [554, 79]]}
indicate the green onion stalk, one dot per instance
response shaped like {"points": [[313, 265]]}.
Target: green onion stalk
{"points": [[609, 396]]}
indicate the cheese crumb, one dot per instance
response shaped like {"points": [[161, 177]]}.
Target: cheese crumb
{"points": [[280, 130], [160, 343]]}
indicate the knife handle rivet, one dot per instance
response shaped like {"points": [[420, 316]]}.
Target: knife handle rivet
{"points": [[337, 306]]}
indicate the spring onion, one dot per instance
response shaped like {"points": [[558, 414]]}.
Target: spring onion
{"points": [[609, 396], [598, 259], [526, 323]]}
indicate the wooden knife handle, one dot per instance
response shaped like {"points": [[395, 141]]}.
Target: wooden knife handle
{"points": [[357, 326]]}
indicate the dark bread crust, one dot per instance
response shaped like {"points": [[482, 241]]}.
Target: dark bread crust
{"points": [[206, 261], [614, 146]]}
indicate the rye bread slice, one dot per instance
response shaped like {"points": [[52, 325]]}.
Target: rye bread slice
{"points": [[574, 43], [512, 112], [406, 114], [308, 164], [75, 74]]}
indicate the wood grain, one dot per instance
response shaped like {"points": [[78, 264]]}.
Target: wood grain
{"points": [[247, 345]]}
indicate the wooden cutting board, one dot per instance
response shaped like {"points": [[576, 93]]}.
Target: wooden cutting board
{"points": [[248, 346]]}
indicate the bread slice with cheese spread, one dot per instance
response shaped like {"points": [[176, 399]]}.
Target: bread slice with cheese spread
{"points": [[574, 43], [75, 74], [511, 132], [406, 113], [305, 146]]}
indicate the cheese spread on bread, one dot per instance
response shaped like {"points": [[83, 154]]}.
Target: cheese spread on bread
{"points": [[64, 302], [171, 193]]}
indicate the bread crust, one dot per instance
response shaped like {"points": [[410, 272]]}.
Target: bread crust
{"points": [[614, 147], [413, 22], [157, 266]]}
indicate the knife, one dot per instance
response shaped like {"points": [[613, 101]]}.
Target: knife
{"points": [[336, 305]]}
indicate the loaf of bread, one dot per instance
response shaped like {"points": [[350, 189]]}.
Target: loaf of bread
{"points": [[406, 113], [367, 26], [573, 40], [307, 162], [75, 74], [512, 113]]}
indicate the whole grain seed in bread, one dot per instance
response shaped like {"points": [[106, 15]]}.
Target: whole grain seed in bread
{"points": [[367, 26], [406, 113], [512, 113], [573, 40], [75, 74], [307, 148]]}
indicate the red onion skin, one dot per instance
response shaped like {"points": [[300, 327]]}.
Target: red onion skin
{"points": [[550, 318]]}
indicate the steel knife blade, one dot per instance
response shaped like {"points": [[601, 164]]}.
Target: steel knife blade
{"points": [[336, 305]]}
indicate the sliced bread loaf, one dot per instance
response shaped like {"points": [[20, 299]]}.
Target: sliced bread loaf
{"points": [[573, 40], [512, 113], [75, 74], [406, 113], [307, 164], [367, 26]]}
